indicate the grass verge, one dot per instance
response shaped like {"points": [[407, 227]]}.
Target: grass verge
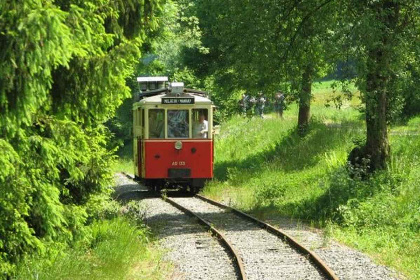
{"points": [[116, 250], [123, 165], [114, 246]]}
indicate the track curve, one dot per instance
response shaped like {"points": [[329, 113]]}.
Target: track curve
{"points": [[321, 265], [264, 254]]}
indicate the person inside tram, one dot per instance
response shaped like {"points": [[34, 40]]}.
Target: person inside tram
{"points": [[156, 124], [201, 127]]}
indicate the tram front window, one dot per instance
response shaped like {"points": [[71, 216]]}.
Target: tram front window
{"points": [[178, 124], [200, 123], [156, 123]]}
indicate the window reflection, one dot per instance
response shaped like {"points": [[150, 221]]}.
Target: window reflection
{"points": [[178, 124], [156, 123]]}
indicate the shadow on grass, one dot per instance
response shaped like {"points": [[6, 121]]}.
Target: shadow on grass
{"points": [[292, 152], [342, 194]]}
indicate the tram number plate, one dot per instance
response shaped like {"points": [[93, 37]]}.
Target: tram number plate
{"points": [[179, 173], [178, 163], [178, 100]]}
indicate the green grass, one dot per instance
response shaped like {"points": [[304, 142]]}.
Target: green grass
{"points": [[124, 162], [123, 165], [116, 249], [264, 167]]}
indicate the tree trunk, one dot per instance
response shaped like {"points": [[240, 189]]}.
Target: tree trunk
{"points": [[377, 145], [378, 74], [305, 101]]}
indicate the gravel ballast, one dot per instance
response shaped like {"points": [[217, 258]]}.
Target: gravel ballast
{"points": [[346, 262], [265, 256], [194, 253]]}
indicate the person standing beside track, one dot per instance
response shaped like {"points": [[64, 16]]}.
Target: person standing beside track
{"points": [[260, 104], [243, 103], [279, 103], [252, 105]]}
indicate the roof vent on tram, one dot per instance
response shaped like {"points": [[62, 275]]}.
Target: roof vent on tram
{"points": [[152, 83], [177, 89], [150, 86]]}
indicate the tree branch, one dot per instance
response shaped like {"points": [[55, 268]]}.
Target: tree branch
{"points": [[301, 24]]}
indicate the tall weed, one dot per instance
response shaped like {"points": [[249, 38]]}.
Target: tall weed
{"points": [[115, 249]]}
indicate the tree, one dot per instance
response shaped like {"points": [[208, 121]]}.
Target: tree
{"points": [[263, 46], [63, 71], [385, 35]]}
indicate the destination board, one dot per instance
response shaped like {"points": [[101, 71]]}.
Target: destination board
{"points": [[178, 100]]}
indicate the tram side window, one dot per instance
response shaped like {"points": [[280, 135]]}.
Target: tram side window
{"points": [[138, 117], [178, 124], [200, 123], [156, 123]]}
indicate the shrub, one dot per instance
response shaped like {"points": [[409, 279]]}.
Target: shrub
{"points": [[49, 175], [268, 193]]}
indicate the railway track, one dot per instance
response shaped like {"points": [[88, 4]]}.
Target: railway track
{"points": [[262, 251], [222, 239], [314, 258], [258, 250]]}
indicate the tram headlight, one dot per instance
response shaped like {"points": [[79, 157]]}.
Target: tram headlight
{"points": [[178, 145]]}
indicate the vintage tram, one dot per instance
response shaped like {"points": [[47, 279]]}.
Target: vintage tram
{"points": [[172, 135]]}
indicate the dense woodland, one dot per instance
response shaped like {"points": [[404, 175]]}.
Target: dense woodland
{"points": [[68, 72]]}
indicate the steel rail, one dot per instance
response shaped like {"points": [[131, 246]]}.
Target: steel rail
{"points": [[319, 263], [220, 236], [129, 176]]}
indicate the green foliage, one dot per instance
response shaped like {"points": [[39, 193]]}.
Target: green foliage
{"points": [[45, 183], [124, 164], [30, 52], [70, 58], [409, 89], [13, 209], [267, 46], [269, 193], [286, 45], [63, 71], [178, 32], [383, 62]]}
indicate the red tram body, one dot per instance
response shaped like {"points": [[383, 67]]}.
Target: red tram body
{"points": [[172, 136]]}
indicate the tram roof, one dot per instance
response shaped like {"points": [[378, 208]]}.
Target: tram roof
{"points": [[157, 99]]}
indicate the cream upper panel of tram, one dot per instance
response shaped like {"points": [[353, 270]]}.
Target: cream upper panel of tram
{"points": [[157, 100]]}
